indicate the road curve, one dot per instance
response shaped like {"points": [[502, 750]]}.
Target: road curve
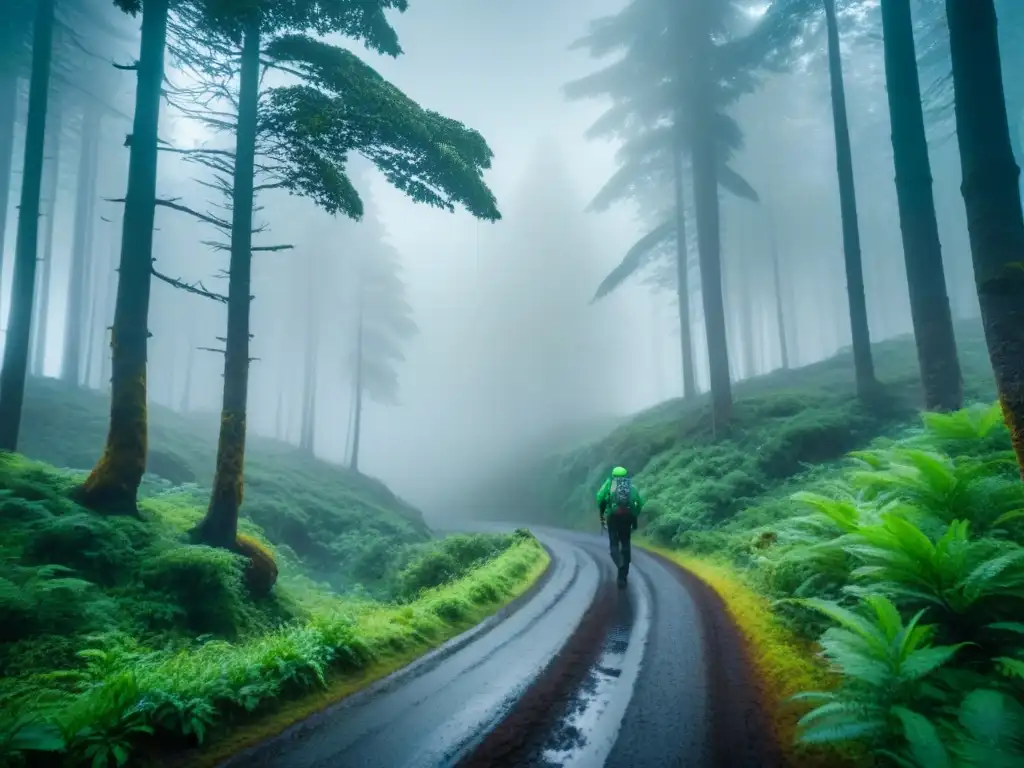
{"points": [[574, 673]]}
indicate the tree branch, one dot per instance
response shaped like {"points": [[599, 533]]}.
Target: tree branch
{"points": [[197, 288]]}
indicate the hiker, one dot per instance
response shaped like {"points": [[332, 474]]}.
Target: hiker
{"points": [[620, 503]]}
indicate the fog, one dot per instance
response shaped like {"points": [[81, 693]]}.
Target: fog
{"points": [[508, 352]]}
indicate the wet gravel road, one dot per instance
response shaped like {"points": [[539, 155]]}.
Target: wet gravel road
{"points": [[574, 673]]}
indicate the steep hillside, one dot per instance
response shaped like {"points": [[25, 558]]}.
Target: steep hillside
{"points": [[784, 422], [343, 526]]}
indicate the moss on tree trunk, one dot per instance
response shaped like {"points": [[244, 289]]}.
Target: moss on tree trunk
{"points": [[114, 482], [220, 525], [992, 196]]}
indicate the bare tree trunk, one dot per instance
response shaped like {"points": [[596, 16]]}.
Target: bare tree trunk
{"points": [[81, 255], [109, 302], [780, 317], [16, 349], [190, 368], [114, 482], [748, 331], [358, 424], [307, 433], [705, 193], [926, 279], [279, 414], [683, 273], [861, 337], [8, 117], [220, 526], [52, 183], [992, 195]]}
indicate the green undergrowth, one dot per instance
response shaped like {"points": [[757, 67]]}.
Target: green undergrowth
{"points": [[872, 559], [784, 424], [119, 638], [905, 564], [346, 528]]}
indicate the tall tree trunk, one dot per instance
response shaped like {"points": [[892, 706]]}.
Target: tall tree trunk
{"points": [[8, 117], [705, 194], [861, 337], [279, 414], [748, 327], [52, 186], [992, 196], [90, 334], [683, 272], [220, 526], [307, 433], [929, 301], [780, 316], [114, 482], [16, 349], [358, 405], [190, 370], [81, 252], [107, 331], [656, 344]]}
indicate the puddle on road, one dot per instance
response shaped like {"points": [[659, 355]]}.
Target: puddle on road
{"points": [[583, 712]]}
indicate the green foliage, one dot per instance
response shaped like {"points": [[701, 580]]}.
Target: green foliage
{"points": [[205, 582], [345, 528], [788, 428], [117, 633], [910, 529], [885, 663], [448, 560], [347, 107], [910, 551]]}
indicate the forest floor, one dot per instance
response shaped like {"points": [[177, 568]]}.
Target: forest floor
{"points": [[119, 639], [826, 524]]}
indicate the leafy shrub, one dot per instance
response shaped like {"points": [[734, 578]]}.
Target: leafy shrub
{"points": [[449, 559], [912, 530], [122, 692], [95, 547], [207, 583]]}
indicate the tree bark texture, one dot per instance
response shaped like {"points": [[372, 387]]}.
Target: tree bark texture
{"points": [[860, 335], [220, 526], [75, 324], [114, 482], [16, 349], [8, 117], [683, 273], [929, 300], [51, 189], [991, 193]]}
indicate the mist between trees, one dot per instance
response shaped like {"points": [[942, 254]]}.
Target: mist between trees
{"points": [[492, 348]]}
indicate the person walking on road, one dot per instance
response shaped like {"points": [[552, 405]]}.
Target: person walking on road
{"points": [[620, 503]]}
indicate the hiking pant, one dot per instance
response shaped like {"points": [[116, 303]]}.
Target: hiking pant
{"points": [[619, 529]]}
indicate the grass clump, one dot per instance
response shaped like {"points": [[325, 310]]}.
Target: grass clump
{"points": [[119, 639]]}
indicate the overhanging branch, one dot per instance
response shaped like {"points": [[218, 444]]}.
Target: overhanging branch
{"points": [[197, 288]]}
